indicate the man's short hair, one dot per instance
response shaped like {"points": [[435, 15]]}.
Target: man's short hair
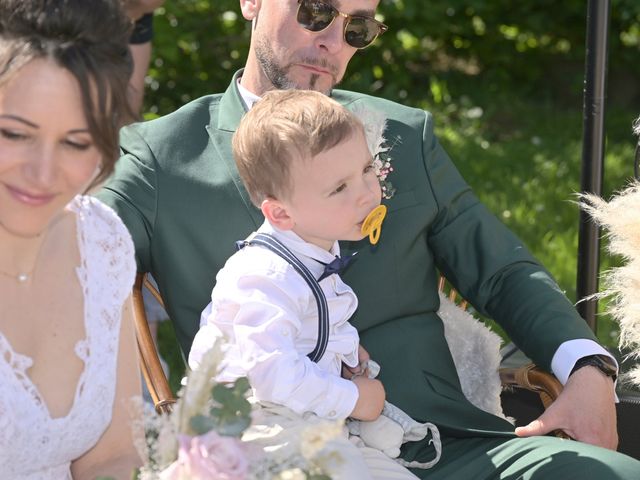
{"points": [[282, 126]]}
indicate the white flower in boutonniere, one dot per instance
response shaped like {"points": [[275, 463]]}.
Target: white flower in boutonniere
{"points": [[375, 124]]}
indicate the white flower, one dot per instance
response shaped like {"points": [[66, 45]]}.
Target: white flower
{"points": [[315, 437], [375, 124], [291, 474]]}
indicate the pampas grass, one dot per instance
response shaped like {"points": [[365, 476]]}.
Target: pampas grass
{"points": [[620, 217]]}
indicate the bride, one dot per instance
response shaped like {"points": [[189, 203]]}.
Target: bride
{"points": [[67, 349]]}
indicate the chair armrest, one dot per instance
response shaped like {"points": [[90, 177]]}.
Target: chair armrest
{"points": [[154, 375], [530, 377]]}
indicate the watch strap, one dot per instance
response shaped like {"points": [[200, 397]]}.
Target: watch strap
{"points": [[601, 362]]}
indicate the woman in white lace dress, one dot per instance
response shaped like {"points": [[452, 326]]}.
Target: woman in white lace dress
{"points": [[68, 366]]}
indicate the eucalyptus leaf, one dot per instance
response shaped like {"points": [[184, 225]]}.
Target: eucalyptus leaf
{"points": [[233, 427], [316, 476], [202, 424]]}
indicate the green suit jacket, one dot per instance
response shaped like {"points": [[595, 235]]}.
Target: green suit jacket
{"points": [[178, 191]]}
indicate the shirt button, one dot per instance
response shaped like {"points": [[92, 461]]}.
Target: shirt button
{"points": [[332, 413], [285, 332]]}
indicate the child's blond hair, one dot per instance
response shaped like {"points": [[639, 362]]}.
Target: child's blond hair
{"points": [[286, 125]]}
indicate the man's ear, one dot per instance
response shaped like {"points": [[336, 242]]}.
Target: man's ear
{"points": [[250, 8], [277, 213]]}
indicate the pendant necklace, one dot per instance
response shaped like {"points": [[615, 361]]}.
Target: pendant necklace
{"points": [[21, 277]]}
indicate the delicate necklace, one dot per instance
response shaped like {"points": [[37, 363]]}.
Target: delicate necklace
{"points": [[21, 277]]}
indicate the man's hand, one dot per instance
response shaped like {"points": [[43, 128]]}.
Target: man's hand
{"points": [[585, 410]]}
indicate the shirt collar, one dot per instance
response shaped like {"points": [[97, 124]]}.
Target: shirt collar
{"points": [[248, 97], [312, 256]]}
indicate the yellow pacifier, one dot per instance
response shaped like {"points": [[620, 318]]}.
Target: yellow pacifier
{"points": [[373, 223]]}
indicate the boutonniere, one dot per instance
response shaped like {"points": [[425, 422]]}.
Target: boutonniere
{"points": [[375, 124]]}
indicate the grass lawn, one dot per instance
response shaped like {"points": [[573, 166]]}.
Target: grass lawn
{"points": [[524, 162]]}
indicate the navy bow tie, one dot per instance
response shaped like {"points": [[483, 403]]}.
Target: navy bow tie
{"points": [[338, 265]]}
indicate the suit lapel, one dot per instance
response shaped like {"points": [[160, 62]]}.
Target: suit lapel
{"points": [[224, 123]]}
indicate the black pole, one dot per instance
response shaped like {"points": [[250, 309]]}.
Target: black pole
{"points": [[592, 152]]}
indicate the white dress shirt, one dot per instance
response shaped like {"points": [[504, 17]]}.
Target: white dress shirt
{"points": [[269, 316]]}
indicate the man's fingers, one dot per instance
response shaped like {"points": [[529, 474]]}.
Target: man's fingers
{"points": [[537, 427]]}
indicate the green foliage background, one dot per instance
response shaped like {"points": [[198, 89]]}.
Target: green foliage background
{"points": [[434, 51], [503, 78]]}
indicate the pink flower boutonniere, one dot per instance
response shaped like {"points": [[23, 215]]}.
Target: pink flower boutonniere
{"points": [[375, 124]]}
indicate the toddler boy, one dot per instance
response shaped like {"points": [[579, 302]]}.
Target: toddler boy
{"points": [[279, 301]]}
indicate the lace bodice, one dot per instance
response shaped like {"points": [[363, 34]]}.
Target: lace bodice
{"points": [[33, 445]]}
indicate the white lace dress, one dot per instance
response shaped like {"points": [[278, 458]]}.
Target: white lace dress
{"points": [[33, 445]]}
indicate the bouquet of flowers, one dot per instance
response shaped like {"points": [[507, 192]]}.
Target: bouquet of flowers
{"points": [[209, 435]]}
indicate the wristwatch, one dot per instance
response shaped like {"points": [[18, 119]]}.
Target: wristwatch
{"points": [[601, 362]]}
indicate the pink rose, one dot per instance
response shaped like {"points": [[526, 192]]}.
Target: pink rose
{"points": [[208, 456]]}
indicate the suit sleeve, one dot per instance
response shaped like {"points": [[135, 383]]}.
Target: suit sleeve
{"points": [[132, 192], [491, 267]]}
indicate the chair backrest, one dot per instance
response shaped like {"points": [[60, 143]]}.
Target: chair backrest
{"points": [[154, 375]]}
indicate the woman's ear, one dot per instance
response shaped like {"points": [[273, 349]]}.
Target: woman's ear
{"points": [[276, 212], [250, 8]]}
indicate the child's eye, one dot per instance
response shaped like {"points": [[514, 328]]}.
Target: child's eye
{"points": [[339, 189]]}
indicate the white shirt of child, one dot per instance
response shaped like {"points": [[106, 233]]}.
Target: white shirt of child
{"points": [[270, 318]]}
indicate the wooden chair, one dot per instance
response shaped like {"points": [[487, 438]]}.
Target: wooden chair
{"points": [[154, 376], [528, 377]]}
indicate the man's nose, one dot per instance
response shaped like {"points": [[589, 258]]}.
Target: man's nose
{"points": [[331, 39]]}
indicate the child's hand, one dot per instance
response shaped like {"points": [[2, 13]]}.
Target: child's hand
{"points": [[359, 370], [371, 398]]}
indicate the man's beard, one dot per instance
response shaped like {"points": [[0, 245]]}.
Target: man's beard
{"points": [[278, 75]]}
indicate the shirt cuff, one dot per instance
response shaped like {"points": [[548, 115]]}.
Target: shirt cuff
{"points": [[343, 396], [570, 352]]}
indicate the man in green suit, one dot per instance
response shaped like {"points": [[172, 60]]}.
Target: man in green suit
{"points": [[178, 191]]}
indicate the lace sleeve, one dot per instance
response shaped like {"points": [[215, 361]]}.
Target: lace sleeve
{"points": [[109, 247]]}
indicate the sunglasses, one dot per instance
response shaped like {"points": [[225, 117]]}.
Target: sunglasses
{"points": [[359, 31]]}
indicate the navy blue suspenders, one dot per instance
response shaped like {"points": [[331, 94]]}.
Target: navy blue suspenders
{"points": [[268, 241]]}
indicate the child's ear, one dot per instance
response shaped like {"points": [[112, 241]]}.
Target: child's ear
{"points": [[276, 212]]}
